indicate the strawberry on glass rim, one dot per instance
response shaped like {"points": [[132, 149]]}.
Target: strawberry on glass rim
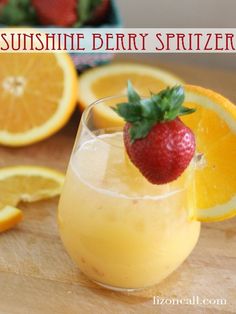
{"points": [[158, 143]]}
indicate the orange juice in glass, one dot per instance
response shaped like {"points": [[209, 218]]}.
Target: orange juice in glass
{"points": [[123, 232]]}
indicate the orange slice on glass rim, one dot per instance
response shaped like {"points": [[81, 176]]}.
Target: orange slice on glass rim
{"points": [[214, 124]]}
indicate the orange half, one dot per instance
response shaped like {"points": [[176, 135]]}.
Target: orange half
{"points": [[37, 95], [111, 80]]}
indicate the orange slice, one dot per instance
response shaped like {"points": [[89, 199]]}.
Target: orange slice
{"points": [[25, 183], [214, 124], [110, 80], [37, 95], [9, 217]]}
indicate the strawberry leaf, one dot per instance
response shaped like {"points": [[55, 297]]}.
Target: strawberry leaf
{"points": [[185, 110], [143, 114], [140, 129], [130, 112], [133, 96], [18, 12]]}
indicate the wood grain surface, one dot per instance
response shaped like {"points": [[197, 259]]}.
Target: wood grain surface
{"points": [[38, 277]]}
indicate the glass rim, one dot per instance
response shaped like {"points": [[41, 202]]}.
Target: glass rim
{"points": [[85, 115], [88, 109]]}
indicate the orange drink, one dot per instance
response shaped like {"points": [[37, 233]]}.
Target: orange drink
{"points": [[122, 231]]}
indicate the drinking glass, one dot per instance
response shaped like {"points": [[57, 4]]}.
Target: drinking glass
{"points": [[123, 232]]}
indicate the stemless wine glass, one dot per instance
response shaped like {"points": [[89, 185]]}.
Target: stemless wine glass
{"points": [[123, 232]]}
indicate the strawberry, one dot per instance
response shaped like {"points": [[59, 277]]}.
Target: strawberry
{"points": [[2, 5], [158, 143], [63, 13], [3, 2], [56, 12]]}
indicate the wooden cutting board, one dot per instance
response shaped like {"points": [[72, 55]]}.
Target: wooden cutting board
{"points": [[37, 276]]}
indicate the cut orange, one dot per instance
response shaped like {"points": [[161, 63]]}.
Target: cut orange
{"points": [[9, 217], [214, 124], [37, 95], [25, 183], [111, 80]]}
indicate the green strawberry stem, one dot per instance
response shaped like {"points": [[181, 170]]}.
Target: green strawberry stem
{"points": [[144, 113]]}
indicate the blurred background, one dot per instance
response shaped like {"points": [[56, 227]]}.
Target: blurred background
{"points": [[183, 13]]}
